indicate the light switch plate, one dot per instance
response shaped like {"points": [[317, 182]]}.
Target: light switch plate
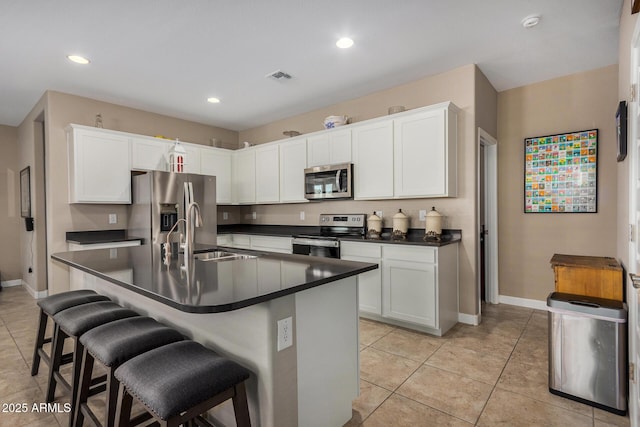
{"points": [[254, 215], [423, 215], [113, 219], [285, 333], [225, 215], [379, 213], [301, 215]]}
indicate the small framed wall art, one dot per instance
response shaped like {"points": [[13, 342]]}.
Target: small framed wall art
{"points": [[561, 173], [25, 192]]}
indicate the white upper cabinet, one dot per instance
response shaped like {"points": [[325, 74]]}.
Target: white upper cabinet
{"points": [[268, 174], [244, 176], [293, 161], [425, 148], [192, 161], [99, 166], [149, 154], [329, 148], [373, 160], [217, 162]]}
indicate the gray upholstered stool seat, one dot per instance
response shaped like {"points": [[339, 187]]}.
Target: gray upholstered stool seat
{"points": [[113, 344], [72, 323], [49, 307], [180, 381]]}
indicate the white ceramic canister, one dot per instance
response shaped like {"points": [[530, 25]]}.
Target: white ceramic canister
{"points": [[434, 223], [400, 223], [374, 225]]}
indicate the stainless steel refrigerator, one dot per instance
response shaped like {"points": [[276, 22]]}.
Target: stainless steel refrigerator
{"points": [[160, 200]]}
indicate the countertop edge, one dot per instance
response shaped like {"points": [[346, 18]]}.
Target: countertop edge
{"points": [[222, 307]]}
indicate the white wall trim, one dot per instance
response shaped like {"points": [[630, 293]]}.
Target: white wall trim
{"points": [[10, 283], [469, 319], [524, 302], [19, 282]]}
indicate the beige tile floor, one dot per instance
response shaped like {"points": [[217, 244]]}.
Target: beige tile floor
{"points": [[494, 374]]}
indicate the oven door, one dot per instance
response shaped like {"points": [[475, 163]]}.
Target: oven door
{"points": [[316, 247]]}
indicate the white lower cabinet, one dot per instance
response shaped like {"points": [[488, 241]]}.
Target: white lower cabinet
{"points": [[259, 243], [409, 289], [415, 286], [369, 283]]}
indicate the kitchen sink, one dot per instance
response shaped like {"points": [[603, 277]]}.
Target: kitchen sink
{"points": [[221, 256]]}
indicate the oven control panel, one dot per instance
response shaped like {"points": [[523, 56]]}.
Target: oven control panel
{"points": [[343, 220]]}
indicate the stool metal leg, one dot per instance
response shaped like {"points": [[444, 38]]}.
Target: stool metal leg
{"points": [[42, 326]]}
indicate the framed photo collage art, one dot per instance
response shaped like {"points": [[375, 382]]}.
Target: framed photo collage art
{"points": [[561, 173]]}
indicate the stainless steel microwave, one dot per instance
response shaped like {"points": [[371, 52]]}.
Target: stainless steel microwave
{"points": [[328, 182]]}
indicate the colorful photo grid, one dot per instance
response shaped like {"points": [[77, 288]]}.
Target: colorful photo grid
{"points": [[561, 173]]}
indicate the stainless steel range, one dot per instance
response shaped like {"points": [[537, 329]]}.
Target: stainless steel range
{"points": [[326, 243]]}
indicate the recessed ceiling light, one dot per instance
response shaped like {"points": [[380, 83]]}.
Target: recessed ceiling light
{"points": [[344, 43], [213, 100], [78, 59], [531, 21]]}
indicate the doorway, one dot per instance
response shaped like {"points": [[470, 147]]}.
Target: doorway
{"points": [[38, 262], [487, 219]]}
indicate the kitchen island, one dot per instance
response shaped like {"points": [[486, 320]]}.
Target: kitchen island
{"points": [[233, 306]]}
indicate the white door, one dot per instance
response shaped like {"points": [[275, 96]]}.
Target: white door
{"points": [[490, 207], [633, 299]]}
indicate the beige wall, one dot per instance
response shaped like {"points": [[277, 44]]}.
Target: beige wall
{"points": [[527, 241], [486, 105], [458, 86], [10, 221], [60, 110]]}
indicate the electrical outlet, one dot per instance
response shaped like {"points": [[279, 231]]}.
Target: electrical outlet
{"points": [[423, 215], [113, 218], [254, 215], [379, 213], [301, 215], [285, 333], [225, 215]]}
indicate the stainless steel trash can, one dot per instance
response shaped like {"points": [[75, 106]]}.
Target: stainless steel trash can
{"points": [[588, 350]]}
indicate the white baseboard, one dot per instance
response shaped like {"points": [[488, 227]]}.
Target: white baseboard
{"points": [[10, 283], [523, 302], [35, 294], [469, 319]]}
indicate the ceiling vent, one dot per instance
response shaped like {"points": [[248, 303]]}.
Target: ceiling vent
{"points": [[279, 75]]}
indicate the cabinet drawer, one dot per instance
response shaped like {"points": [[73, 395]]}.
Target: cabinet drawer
{"points": [[369, 250], [405, 253], [242, 241], [271, 244]]}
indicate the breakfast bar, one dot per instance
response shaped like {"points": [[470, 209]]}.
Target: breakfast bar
{"points": [[290, 319]]}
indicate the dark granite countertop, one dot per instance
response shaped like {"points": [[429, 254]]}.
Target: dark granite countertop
{"points": [[98, 236], [210, 286], [414, 236]]}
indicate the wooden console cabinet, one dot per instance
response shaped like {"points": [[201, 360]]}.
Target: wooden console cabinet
{"points": [[587, 275]]}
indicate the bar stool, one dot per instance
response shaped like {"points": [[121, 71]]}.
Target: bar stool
{"points": [[113, 344], [49, 307], [72, 323], [178, 382]]}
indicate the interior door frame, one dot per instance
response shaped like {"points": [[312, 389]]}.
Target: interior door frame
{"points": [[633, 221], [490, 186]]}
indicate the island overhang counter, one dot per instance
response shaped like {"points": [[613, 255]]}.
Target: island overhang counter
{"points": [[233, 307]]}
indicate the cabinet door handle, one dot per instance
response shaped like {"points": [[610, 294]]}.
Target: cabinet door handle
{"points": [[635, 280]]}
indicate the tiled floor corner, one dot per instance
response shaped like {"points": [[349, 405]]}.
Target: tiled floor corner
{"points": [[494, 374]]}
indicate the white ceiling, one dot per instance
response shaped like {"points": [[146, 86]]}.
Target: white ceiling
{"points": [[169, 56]]}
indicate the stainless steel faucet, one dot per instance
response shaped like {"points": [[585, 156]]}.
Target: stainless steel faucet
{"points": [[193, 219]]}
